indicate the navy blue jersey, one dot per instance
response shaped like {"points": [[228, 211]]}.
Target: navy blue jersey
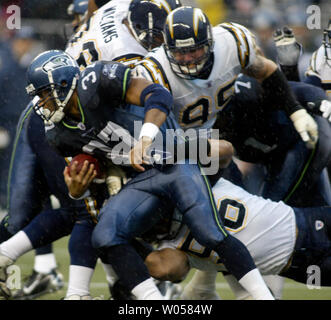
{"points": [[258, 132], [109, 127]]}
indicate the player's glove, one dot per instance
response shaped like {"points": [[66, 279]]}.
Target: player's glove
{"points": [[306, 127], [325, 108], [288, 49], [115, 180]]}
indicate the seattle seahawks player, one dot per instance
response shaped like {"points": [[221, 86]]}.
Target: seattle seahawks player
{"points": [[121, 47], [83, 113], [294, 240], [294, 173], [36, 173]]}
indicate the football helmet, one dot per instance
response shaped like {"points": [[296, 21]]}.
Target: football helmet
{"points": [[327, 42], [55, 73], [77, 7], [188, 41], [77, 10], [146, 19]]}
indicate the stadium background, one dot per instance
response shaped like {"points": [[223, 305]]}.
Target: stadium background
{"points": [[42, 27]]}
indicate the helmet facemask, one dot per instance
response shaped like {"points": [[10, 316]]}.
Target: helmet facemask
{"points": [[149, 37], [189, 42], [53, 76], [58, 95], [189, 68]]}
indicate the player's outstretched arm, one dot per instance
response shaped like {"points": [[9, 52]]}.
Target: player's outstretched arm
{"points": [[277, 91], [157, 102]]}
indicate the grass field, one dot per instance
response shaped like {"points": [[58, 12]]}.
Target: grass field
{"points": [[292, 290]]}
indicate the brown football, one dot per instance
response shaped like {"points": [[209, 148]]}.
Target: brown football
{"points": [[80, 158]]}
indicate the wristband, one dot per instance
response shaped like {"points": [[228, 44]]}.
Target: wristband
{"points": [[149, 130]]}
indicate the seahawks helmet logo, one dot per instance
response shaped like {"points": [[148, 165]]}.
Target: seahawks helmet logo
{"points": [[57, 62]]}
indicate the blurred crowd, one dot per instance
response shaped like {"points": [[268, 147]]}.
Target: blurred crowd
{"points": [[42, 28]]}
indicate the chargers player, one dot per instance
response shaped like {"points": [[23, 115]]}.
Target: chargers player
{"points": [[294, 239], [121, 30], [200, 64], [83, 114]]}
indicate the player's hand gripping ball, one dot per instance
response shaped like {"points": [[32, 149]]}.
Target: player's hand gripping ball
{"points": [[80, 158]]}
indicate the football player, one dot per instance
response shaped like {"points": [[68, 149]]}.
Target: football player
{"points": [[77, 108], [157, 11], [36, 173], [294, 240], [293, 173], [77, 11], [200, 64], [121, 30]]}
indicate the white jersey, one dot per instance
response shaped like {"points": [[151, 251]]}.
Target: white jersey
{"points": [[320, 68], [266, 228], [196, 102], [106, 37]]}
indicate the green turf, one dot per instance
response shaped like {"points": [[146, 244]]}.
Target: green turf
{"points": [[292, 290]]}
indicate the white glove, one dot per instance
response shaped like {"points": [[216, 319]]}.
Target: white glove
{"points": [[288, 49], [116, 178], [325, 108], [306, 127]]}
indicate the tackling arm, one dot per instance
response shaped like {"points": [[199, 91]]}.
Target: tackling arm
{"points": [[157, 102], [277, 90]]}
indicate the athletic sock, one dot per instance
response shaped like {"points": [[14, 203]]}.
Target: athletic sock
{"points": [[147, 290], [44, 263], [79, 281], [16, 246], [255, 285]]}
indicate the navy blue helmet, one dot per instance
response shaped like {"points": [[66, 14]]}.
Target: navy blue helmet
{"points": [[146, 19], [77, 10], [327, 41], [55, 73], [188, 32], [77, 7]]}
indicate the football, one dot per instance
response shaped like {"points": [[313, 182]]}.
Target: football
{"points": [[80, 158]]}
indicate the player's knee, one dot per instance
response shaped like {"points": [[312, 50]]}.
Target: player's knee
{"points": [[167, 264]]}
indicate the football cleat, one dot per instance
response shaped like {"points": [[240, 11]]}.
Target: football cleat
{"points": [[5, 262], [120, 292], [38, 284]]}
